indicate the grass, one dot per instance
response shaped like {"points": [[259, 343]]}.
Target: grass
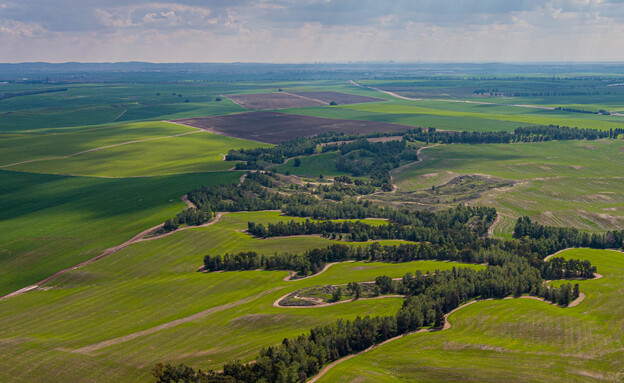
{"points": [[313, 166], [573, 183], [519, 340], [26, 147], [154, 282], [518, 115], [197, 152], [93, 104], [51, 222], [416, 120]]}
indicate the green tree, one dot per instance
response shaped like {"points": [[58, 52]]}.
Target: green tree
{"points": [[337, 295]]}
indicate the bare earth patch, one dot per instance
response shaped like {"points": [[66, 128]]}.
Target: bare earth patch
{"points": [[274, 127]]}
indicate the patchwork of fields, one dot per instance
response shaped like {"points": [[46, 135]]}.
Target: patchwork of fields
{"points": [[85, 169], [275, 128]]}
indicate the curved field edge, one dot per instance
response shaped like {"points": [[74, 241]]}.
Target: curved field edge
{"points": [[155, 283], [53, 222], [574, 183], [518, 339]]}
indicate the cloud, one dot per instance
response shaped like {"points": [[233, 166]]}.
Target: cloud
{"points": [[311, 30], [18, 29]]}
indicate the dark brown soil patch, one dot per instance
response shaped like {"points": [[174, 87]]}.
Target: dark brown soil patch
{"points": [[274, 128]]}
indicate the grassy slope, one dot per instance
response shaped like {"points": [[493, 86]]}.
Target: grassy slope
{"points": [[51, 222], [25, 147], [574, 183], [513, 340], [92, 104], [155, 282], [313, 166], [197, 152]]}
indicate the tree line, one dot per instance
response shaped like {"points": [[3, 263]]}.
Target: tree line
{"points": [[565, 237], [428, 299], [522, 134], [389, 153], [254, 194]]}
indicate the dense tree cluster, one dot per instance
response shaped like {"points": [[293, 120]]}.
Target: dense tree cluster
{"points": [[523, 134], [340, 189], [297, 147], [254, 195], [428, 299], [575, 110], [374, 159], [388, 153], [564, 237], [461, 224], [251, 195], [560, 268]]}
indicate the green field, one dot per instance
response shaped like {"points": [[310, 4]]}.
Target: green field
{"points": [[570, 183], [313, 166], [94, 104], [437, 120], [155, 282], [512, 340], [509, 114], [88, 168], [191, 153], [51, 222]]}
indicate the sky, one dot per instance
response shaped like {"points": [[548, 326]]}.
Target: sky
{"points": [[294, 31]]}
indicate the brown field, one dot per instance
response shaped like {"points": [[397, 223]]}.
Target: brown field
{"points": [[284, 100], [280, 100], [338, 98], [274, 128]]}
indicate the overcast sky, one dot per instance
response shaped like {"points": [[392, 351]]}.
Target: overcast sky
{"points": [[311, 30]]}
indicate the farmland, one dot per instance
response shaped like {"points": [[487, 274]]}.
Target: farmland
{"points": [[113, 290], [274, 128], [284, 100], [87, 168], [558, 183], [188, 152], [497, 340]]}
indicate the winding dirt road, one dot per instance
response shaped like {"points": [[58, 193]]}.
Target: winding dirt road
{"points": [[327, 266], [325, 304], [400, 168], [447, 325]]}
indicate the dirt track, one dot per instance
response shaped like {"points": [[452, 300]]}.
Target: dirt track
{"points": [[187, 202], [277, 302], [137, 238], [579, 248], [177, 322], [450, 100], [447, 325], [490, 232], [327, 266], [394, 186], [96, 149]]}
